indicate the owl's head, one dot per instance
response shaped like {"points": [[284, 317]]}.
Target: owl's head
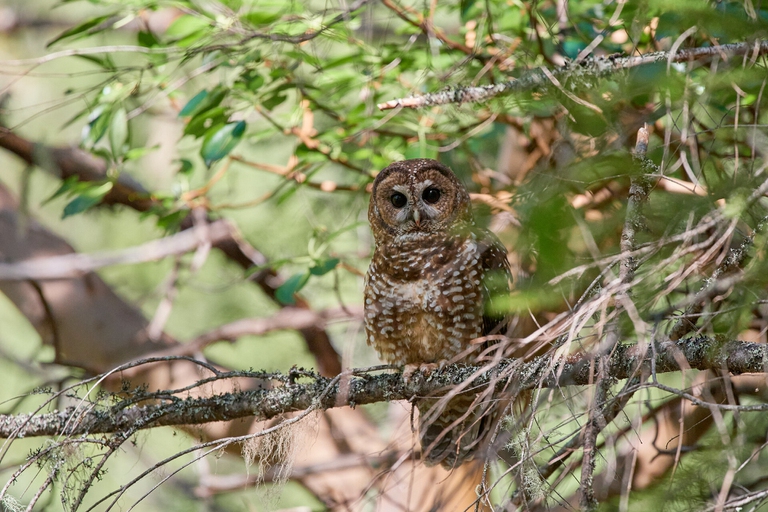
{"points": [[417, 197]]}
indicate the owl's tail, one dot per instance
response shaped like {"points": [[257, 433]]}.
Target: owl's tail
{"points": [[456, 434]]}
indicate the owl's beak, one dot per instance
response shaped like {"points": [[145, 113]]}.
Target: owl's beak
{"points": [[417, 217]]}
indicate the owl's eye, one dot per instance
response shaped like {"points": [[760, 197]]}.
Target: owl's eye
{"points": [[431, 195], [398, 200]]}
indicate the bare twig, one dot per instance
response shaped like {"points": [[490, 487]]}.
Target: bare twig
{"points": [[286, 318], [598, 419], [216, 484], [97, 50], [717, 283]]}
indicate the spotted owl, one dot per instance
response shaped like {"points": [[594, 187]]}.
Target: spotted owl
{"points": [[427, 291]]}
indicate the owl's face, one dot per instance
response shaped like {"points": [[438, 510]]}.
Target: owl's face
{"points": [[417, 197]]}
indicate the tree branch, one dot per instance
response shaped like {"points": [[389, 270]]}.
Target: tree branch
{"points": [[64, 162], [286, 318], [540, 79], [288, 396], [69, 266]]}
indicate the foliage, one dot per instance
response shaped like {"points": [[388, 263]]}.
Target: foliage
{"points": [[611, 247]]}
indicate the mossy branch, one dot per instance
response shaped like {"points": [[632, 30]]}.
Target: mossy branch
{"points": [[361, 387], [589, 69]]}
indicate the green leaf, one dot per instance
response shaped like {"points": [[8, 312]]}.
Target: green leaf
{"points": [[288, 193], [324, 266], [186, 167], [285, 293], [98, 122], [273, 101], [147, 39], [118, 131], [83, 27], [307, 155], [203, 101], [250, 80], [200, 123], [342, 61], [68, 185], [192, 39], [219, 141], [468, 10], [260, 18], [88, 198], [186, 25], [420, 150], [136, 153], [192, 104], [172, 221], [103, 62]]}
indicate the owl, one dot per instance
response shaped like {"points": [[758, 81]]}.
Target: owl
{"points": [[427, 292]]}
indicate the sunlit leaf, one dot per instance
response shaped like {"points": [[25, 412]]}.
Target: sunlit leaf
{"points": [[66, 186], [260, 18], [136, 153], [186, 25]]}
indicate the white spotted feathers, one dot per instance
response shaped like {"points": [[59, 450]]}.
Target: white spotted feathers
{"points": [[427, 285]]}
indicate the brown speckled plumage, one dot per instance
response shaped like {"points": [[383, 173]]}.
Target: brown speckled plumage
{"points": [[427, 286]]}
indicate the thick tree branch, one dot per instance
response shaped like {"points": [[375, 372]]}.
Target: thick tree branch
{"points": [[700, 353], [69, 266], [65, 162], [541, 79]]}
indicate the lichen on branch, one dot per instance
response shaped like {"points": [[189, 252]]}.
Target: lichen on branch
{"points": [[306, 390], [589, 69]]}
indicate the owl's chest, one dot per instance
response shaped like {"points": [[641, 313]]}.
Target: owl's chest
{"points": [[424, 304]]}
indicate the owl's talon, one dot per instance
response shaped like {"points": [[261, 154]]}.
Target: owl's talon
{"points": [[426, 369], [408, 371]]}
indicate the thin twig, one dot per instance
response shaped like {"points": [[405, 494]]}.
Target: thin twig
{"points": [[714, 285], [286, 318], [598, 419]]}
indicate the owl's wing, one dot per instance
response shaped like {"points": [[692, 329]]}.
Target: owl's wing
{"points": [[497, 282]]}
